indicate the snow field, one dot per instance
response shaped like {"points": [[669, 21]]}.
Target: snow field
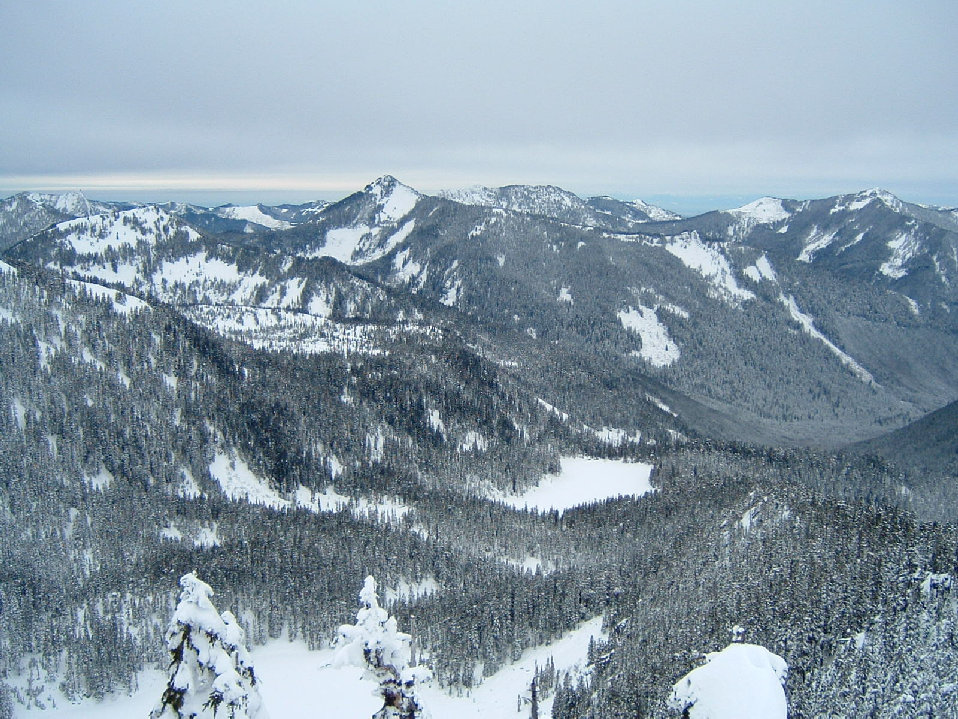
{"points": [[297, 683], [710, 263], [807, 323], [658, 348], [764, 210], [252, 213], [761, 270], [583, 480]]}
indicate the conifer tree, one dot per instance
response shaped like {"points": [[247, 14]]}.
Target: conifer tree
{"points": [[375, 643], [211, 675]]}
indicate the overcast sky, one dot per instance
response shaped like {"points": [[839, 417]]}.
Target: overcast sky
{"points": [[294, 100]]}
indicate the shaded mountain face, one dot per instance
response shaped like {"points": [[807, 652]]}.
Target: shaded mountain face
{"points": [[929, 445], [815, 322], [24, 214]]}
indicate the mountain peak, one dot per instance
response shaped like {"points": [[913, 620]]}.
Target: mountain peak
{"points": [[532, 199], [761, 211], [395, 199], [384, 185], [883, 195], [69, 203], [654, 212]]}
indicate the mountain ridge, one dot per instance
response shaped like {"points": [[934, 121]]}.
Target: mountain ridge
{"points": [[289, 420], [654, 296]]}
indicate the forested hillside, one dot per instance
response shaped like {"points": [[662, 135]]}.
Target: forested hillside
{"points": [[291, 399]]}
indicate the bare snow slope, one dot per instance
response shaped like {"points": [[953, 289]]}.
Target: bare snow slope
{"points": [[295, 681], [583, 480]]}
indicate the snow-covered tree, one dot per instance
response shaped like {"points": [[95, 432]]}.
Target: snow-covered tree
{"points": [[211, 674], [375, 643], [743, 681]]}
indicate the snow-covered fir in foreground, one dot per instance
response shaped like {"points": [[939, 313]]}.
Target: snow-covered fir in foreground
{"points": [[375, 644], [211, 672], [298, 683]]}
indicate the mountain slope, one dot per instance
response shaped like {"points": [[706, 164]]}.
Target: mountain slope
{"points": [[928, 445], [194, 415], [559, 204], [28, 212], [758, 334]]}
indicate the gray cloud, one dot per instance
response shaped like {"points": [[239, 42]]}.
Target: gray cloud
{"points": [[619, 97]]}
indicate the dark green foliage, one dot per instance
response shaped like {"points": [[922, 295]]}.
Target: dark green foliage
{"points": [[109, 425]]}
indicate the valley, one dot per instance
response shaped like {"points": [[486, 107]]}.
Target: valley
{"points": [[522, 411]]}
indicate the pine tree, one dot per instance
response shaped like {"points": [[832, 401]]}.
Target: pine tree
{"points": [[375, 643], [211, 674]]}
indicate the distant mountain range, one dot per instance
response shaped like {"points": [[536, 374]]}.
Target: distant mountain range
{"points": [[290, 398], [812, 322]]}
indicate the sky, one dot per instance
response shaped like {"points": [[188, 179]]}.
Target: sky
{"points": [[678, 102]]}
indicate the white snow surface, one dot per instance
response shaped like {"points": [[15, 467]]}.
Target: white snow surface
{"points": [[816, 241], [293, 681], [359, 244], [98, 233], [123, 304], [410, 590], [658, 348], [343, 242], [655, 213], [252, 213], [396, 199], [710, 263], [407, 271], [563, 416], [903, 248], [743, 681], [69, 203], [807, 323], [240, 482], [615, 437], [101, 480], [583, 480], [534, 199], [761, 270], [385, 508], [762, 211]]}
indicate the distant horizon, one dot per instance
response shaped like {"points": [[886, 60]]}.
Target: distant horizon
{"points": [[690, 106], [687, 205]]}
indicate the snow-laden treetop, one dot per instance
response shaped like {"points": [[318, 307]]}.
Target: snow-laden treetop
{"points": [[374, 640], [196, 610], [743, 681], [211, 668]]}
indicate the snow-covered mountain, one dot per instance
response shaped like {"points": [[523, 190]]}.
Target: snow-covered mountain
{"points": [[364, 226], [28, 212], [858, 330], [275, 301], [517, 422], [870, 236], [554, 202], [248, 219]]}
